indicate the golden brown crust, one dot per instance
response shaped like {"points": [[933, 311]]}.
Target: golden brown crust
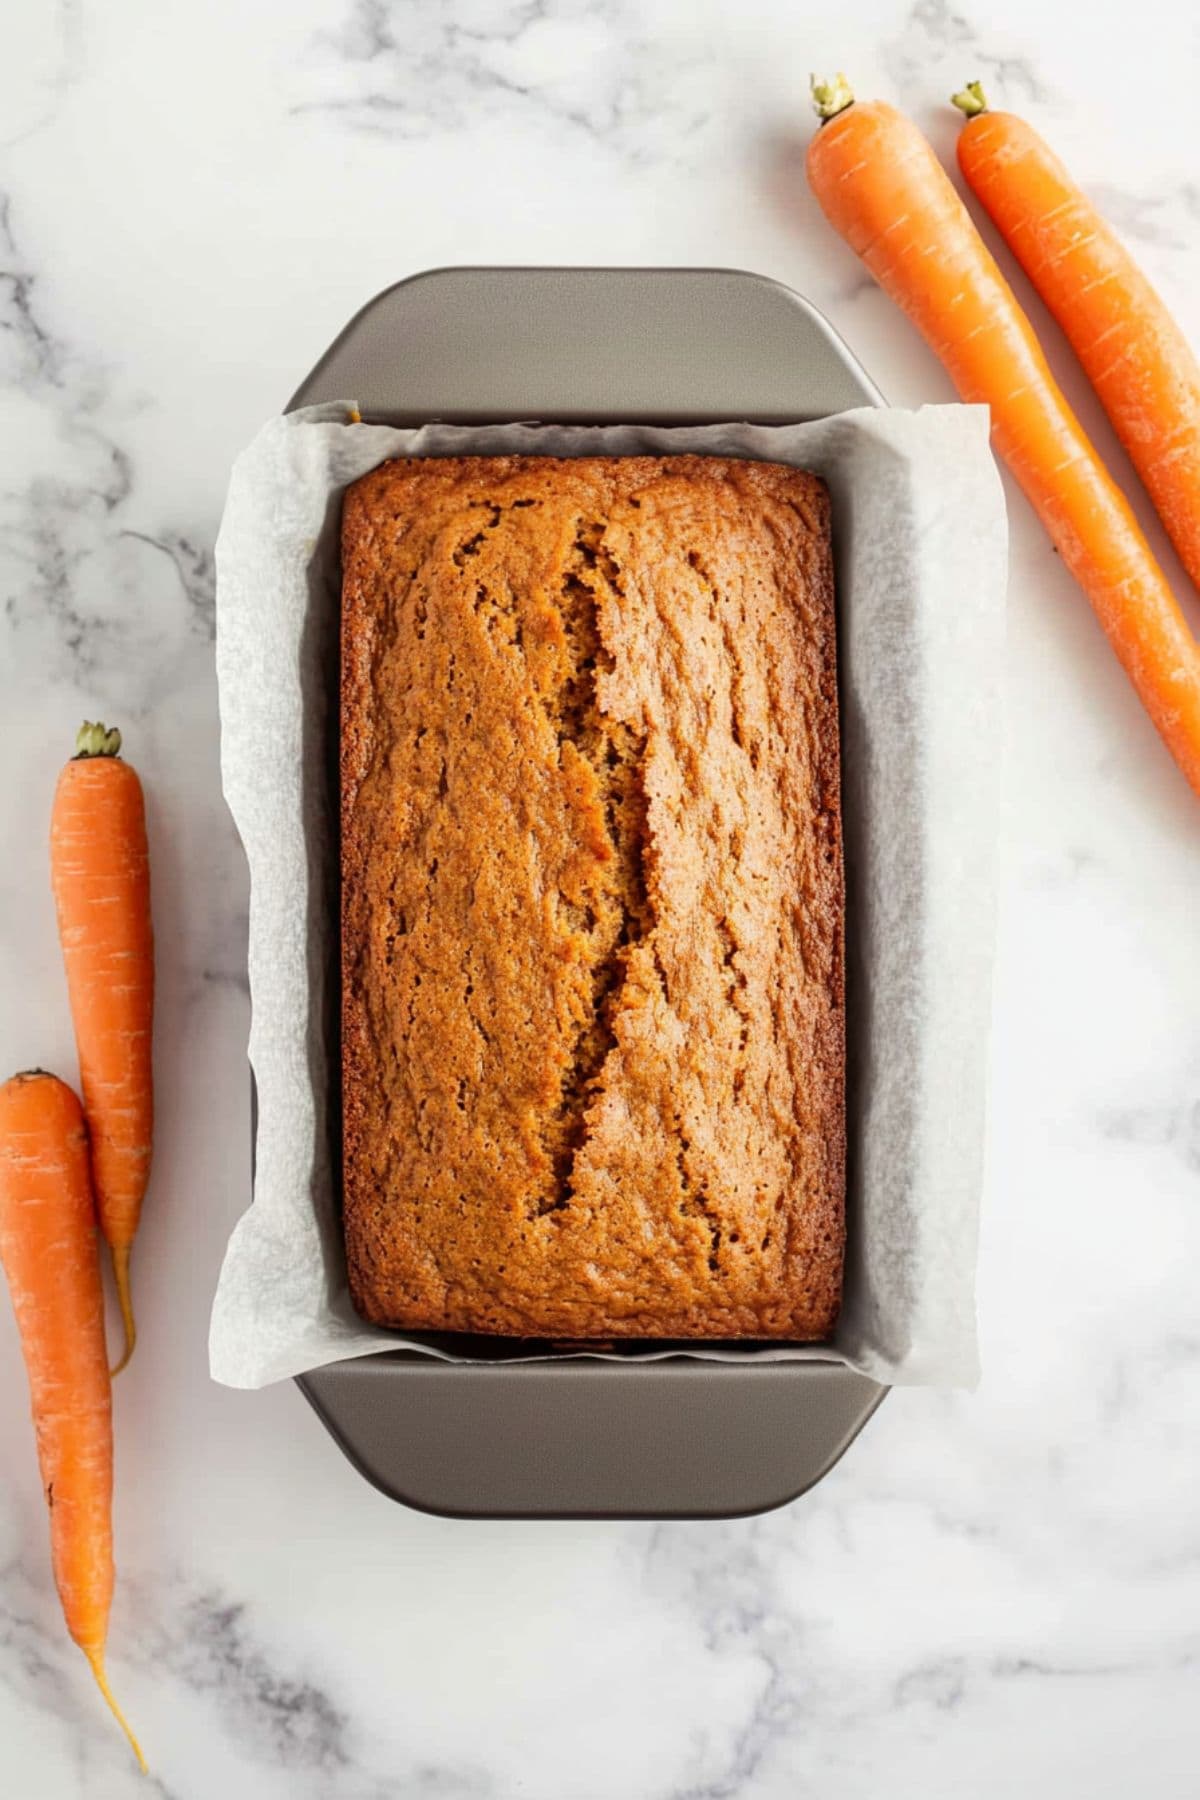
{"points": [[592, 900]]}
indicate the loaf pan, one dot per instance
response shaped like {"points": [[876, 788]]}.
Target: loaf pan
{"points": [[574, 1437]]}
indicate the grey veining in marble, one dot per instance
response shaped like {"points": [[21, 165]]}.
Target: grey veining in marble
{"points": [[597, 68], [936, 30]]}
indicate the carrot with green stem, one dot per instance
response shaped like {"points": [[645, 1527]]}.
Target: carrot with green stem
{"points": [[100, 870], [881, 186], [50, 1255], [1137, 359]]}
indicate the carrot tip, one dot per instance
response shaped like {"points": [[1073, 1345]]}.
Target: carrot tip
{"points": [[971, 100], [830, 97], [120, 1261], [96, 1659]]}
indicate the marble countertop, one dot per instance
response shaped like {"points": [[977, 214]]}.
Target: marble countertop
{"points": [[994, 1593]]}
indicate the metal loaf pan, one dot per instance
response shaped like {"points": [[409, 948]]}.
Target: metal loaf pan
{"points": [[577, 1438]]}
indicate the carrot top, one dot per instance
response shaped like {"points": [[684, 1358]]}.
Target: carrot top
{"points": [[96, 740], [970, 100], [829, 98]]}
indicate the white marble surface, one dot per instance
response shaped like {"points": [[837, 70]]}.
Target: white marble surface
{"points": [[994, 1593]]}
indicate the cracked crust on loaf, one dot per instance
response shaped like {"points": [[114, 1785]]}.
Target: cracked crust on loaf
{"points": [[592, 908]]}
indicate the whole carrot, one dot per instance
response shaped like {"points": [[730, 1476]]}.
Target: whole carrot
{"points": [[1132, 351], [881, 186], [100, 870], [49, 1251]]}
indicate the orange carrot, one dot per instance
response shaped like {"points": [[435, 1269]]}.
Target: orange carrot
{"points": [[101, 875], [48, 1248], [881, 186], [1132, 351]]}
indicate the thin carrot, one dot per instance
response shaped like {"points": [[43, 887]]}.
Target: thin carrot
{"points": [[49, 1251], [100, 870], [881, 186], [1132, 351]]}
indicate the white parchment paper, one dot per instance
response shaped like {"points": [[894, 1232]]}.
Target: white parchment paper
{"points": [[920, 543]]}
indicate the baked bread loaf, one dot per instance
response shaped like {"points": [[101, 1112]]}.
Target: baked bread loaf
{"points": [[592, 915]]}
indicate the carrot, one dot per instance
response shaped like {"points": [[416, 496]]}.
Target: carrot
{"points": [[1132, 351], [881, 186], [48, 1248], [101, 876]]}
